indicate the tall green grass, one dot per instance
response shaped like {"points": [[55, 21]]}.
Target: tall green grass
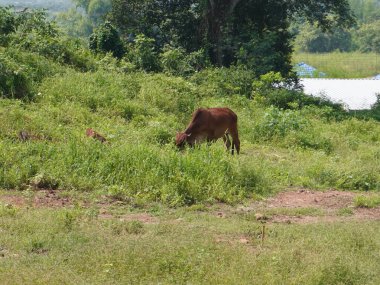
{"points": [[140, 113], [342, 65]]}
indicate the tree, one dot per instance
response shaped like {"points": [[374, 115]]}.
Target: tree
{"points": [[75, 23], [368, 37], [225, 27], [175, 22], [312, 39], [366, 11]]}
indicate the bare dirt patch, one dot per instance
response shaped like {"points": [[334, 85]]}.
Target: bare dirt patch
{"points": [[56, 199], [300, 206], [332, 202], [331, 199], [38, 199]]}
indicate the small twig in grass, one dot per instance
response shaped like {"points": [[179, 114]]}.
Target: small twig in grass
{"points": [[263, 235]]}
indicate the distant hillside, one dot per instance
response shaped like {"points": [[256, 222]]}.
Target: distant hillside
{"points": [[53, 6]]}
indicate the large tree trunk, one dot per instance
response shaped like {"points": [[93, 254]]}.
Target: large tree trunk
{"points": [[218, 12]]}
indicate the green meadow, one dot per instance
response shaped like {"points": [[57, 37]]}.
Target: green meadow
{"points": [[139, 167], [140, 113], [76, 246], [342, 64], [137, 210]]}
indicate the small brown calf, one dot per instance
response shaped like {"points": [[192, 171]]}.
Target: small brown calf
{"points": [[91, 133]]}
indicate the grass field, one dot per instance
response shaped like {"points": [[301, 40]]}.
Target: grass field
{"points": [[108, 242], [299, 205], [342, 65], [136, 210], [139, 114]]}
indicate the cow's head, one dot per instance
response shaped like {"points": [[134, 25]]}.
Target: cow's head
{"points": [[181, 139]]}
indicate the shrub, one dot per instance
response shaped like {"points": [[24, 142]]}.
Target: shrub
{"points": [[266, 51], [278, 123], [309, 140], [175, 61], [236, 80], [14, 79], [273, 89], [7, 24], [106, 39], [34, 32], [61, 50], [112, 64], [368, 38], [21, 71], [312, 39], [142, 53], [367, 201]]}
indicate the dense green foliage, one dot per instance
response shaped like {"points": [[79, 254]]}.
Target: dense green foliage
{"points": [[106, 39], [31, 48], [314, 40], [84, 18], [368, 37], [252, 33], [363, 37]]}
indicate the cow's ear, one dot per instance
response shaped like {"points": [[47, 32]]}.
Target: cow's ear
{"points": [[189, 135]]}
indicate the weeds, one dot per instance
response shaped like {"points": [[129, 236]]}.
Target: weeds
{"points": [[371, 201]]}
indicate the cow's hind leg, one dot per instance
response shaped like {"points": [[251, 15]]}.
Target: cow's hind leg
{"points": [[227, 141], [235, 140]]}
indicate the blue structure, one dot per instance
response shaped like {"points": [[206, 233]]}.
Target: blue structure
{"points": [[377, 77], [305, 70]]}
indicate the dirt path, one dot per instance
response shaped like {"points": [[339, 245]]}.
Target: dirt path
{"points": [[308, 206], [293, 206]]}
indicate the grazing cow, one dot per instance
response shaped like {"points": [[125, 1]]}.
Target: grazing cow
{"points": [[211, 124], [91, 133]]}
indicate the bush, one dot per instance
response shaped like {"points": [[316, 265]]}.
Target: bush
{"points": [[273, 89], [112, 64], [7, 24], [34, 32], [278, 123], [267, 51], [307, 139], [20, 71], [367, 37], [106, 39], [61, 50], [14, 79], [175, 61], [236, 80], [313, 39], [142, 53]]}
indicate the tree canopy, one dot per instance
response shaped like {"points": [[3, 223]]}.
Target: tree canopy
{"points": [[252, 32]]}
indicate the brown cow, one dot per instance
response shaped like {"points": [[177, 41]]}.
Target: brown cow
{"points": [[211, 124]]}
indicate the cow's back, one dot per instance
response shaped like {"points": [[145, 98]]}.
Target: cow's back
{"points": [[222, 114], [212, 123]]}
